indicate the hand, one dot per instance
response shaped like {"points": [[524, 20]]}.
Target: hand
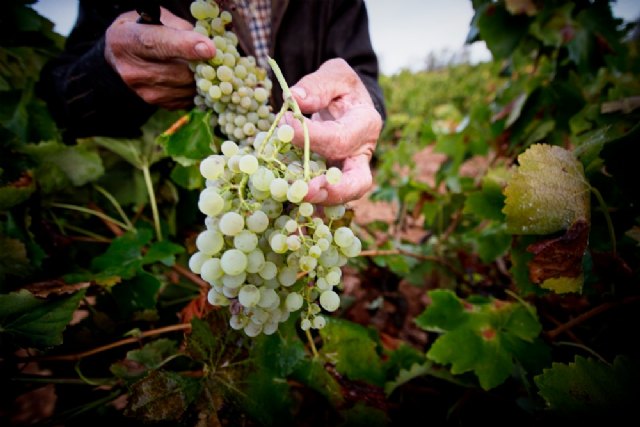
{"points": [[344, 129], [153, 59]]}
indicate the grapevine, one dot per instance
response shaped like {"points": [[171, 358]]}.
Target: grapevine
{"points": [[265, 251]]}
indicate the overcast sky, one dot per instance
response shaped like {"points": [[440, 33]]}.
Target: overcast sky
{"points": [[403, 32]]}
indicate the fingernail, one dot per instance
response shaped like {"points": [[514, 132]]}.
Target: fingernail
{"points": [[299, 92], [203, 50]]}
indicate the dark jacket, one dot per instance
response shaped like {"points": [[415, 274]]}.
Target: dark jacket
{"points": [[86, 97]]}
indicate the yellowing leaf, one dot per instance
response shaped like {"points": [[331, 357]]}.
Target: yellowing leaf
{"points": [[547, 193], [563, 285]]}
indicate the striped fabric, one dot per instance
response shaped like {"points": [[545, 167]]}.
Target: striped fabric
{"points": [[257, 14]]}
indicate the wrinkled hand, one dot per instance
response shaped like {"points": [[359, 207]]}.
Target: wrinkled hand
{"points": [[344, 129], [153, 59]]}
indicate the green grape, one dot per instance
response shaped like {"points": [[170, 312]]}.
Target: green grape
{"points": [[231, 223], [215, 298], [319, 322], [294, 301], [268, 298], [343, 237], [285, 133], [305, 209], [287, 276], [234, 281], [210, 202], [196, 260], [211, 270], [209, 242], [329, 300], [333, 175], [249, 296], [258, 222], [268, 271], [297, 191], [233, 262], [246, 241], [255, 261]]}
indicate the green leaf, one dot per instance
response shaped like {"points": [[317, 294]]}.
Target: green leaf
{"points": [[591, 388], [15, 193], [500, 30], [194, 140], [14, 260], [313, 374], [520, 259], [128, 149], [281, 353], [445, 313], [269, 398], [548, 192], [188, 177], [478, 338], [164, 252], [354, 351], [123, 258], [201, 343], [80, 163], [550, 29], [154, 353], [488, 203], [162, 396], [493, 242], [137, 294], [34, 322]]}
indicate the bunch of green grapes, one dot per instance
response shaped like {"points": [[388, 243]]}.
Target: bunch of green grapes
{"points": [[265, 252]]}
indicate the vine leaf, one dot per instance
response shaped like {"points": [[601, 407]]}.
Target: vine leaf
{"points": [[151, 356], [80, 163], [547, 193], [123, 258], [162, 396], [588, 387], [16, 192], [484, 338], [14, 259], [354, 350], [36, 322], [193, 141], [557, 262], [275, 357]]}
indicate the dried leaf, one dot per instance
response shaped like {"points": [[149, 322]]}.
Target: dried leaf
{"points": [[557, 262]]}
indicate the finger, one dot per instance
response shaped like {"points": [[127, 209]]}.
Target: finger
{"points": [[165, 43], [170, 20], [171, 74], [156, 42], [334, 79], [355, 182], [165, 96], [354, 133]]}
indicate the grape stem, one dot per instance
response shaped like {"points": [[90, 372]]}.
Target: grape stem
{"points": [[273, 127], [289, 100]]}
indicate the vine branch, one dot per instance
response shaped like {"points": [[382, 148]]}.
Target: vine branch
{"points": [[553, 334], [78, 356]]}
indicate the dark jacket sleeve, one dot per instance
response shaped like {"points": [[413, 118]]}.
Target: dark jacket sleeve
{"points": [[85, 95]]}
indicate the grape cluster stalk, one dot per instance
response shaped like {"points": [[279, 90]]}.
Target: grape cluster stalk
{"points": [[265, 251]]}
